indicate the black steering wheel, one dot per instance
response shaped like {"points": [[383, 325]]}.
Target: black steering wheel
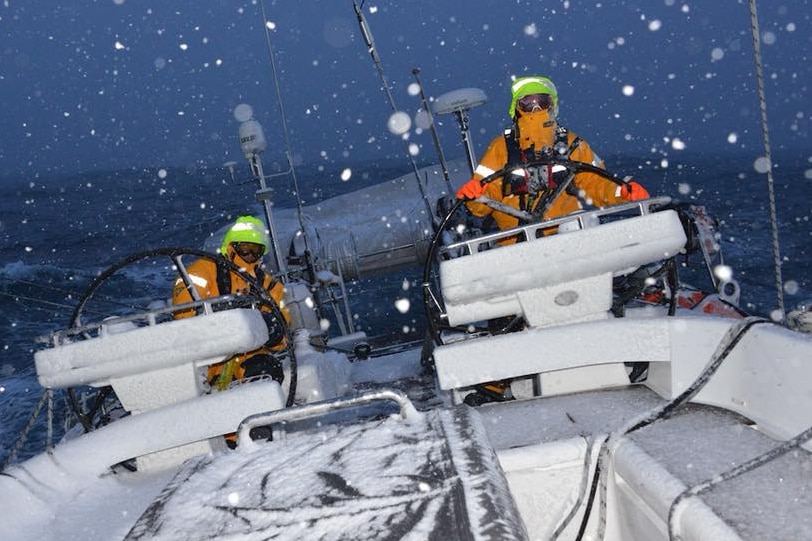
{"points": [[257, 296], [572, 167]]}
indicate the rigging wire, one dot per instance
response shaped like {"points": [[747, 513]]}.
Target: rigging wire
{"points": [[282, 119], [36, 300], [49, 421], [35, 284], [308, 254], [39, 286], [43, 302], [765, 134], [47, 396]]}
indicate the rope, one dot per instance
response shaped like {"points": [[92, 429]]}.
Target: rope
{"points": [[745, 467], [12, 454], [765, 134], [590, 442]]}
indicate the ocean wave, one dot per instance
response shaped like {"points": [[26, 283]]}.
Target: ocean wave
{"points": [[21, 270]]}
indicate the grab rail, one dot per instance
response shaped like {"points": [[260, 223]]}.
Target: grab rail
{"points": [[57, 338], [407, 410], [529, 232]]}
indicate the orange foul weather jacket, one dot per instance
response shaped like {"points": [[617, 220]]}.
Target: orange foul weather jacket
{"points": [[203, 273], [594, 189]]}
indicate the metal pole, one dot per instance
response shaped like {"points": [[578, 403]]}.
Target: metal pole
{"points": [[462, 118], [367, 35], [433, 129], [264, 195]]}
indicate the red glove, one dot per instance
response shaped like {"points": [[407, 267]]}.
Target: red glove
{"points": [[632, 191], [471, 189]]}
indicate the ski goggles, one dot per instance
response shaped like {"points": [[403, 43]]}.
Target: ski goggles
{"points": [[249, 249], [534, 102]]}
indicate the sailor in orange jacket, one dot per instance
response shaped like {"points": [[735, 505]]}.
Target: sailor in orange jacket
{"points": [[244, 244], [535, 133]]}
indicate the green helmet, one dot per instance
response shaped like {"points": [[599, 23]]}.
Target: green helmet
{"points": [[534, 84], [246, 229]]}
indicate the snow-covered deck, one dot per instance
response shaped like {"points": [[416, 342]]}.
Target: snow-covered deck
{"points": [[541, 445], [433, 476]]}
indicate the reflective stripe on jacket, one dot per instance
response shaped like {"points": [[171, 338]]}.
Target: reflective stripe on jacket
{"points": [[594, 189]]}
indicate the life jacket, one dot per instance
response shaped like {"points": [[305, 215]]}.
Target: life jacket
{"points": [[517, 157]]}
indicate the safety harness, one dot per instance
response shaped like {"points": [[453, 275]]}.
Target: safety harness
{"points": [[517, 157], [224, 277]]}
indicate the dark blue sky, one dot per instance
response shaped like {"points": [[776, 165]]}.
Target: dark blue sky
{"points": [[116, 83]]}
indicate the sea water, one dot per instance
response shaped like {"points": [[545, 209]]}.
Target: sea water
{"points": [[59, 232]]}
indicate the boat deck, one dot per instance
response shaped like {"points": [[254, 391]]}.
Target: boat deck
{"points": [[659, 461], [432, 476], [542, 420]]}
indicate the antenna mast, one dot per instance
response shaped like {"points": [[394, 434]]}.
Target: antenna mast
{"points": [[434, 137], [370, 42]]}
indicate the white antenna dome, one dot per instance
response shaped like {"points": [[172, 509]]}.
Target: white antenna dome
{"points": [[252, 138], [459, 100]]}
